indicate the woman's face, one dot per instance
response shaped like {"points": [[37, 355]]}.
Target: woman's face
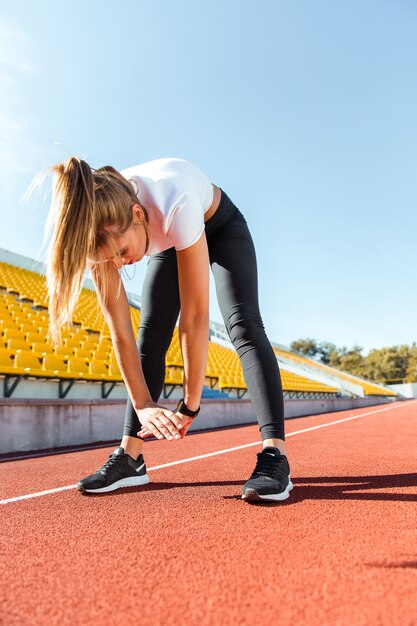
{"points": [[132, 244]]}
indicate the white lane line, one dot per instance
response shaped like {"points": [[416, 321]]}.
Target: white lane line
{"points": [[205, 456], [38, 494]]}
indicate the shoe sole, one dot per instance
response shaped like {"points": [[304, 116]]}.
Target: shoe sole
{"points": [[132, 481], [251, 495]]}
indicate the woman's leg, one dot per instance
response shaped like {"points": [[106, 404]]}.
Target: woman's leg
{"points": [[233, 262], [160, 306]]}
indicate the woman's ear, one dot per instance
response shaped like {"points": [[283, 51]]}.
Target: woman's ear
{"points": [[138, 212]]}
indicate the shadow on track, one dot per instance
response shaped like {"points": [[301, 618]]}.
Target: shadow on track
{"points": [[308, 488], [401, 564], [163, 486], [355, 487]]}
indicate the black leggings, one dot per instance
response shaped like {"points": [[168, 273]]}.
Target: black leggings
{"points": [[233, 263]]}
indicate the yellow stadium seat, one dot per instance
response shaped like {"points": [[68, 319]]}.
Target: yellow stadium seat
{"points": [[72, 343], [104, 344], [27, 328], [67, 332], [12, 332], [99, 369], [54, 364], [100, 355], [29, 362], [17, 344], [40, 348], [174, 376], [79, 368], [82, 353], [90, 342], [175, 359], [43, 329], [114, 369], [6, 363], [224, 381], [31, 337], [64, 351]]}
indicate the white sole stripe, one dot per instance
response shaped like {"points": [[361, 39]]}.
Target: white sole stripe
{"points": [[205, 456], [274, 497], [131, 481]]}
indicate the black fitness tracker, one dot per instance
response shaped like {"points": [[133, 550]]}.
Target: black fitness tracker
{"points": [[183, 408]]}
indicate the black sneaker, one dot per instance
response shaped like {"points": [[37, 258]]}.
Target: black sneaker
{"points": [[270, 479], [119, 471]]}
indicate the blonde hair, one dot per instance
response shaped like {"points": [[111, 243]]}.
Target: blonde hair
{"points": [[89, 209]]}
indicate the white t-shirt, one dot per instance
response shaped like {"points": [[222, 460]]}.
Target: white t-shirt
{"points": [[175, 194]]}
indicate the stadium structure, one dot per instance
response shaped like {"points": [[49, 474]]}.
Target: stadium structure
{"points": [[74, 394]]}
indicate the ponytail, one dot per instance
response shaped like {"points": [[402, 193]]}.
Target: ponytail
{"points": [[72, 229]]}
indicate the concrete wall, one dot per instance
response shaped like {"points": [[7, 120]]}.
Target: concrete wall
{"points": [[36, 424], [408, 390]]}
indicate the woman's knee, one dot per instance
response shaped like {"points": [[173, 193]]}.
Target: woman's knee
{"points": [[152, 342], [244, 324]]}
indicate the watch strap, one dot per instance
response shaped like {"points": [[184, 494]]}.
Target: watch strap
{"points": [[183, 408]]}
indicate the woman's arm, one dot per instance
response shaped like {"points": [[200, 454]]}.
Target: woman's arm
{"points": [[193, 277], [115, 307]]}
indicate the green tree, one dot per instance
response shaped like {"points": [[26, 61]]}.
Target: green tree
{"points": [[352, 362], [324, 350], [334, 359], [383, 365], [387, 364], [307, 347], [411, 374]]}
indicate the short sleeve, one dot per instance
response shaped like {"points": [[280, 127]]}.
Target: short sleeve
{"points": [[184, 222]]}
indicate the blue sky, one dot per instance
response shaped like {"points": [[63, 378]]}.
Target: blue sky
{"points": [[303, 112]]}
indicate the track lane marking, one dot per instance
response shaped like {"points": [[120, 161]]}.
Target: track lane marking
{"points": [[204, 456]]}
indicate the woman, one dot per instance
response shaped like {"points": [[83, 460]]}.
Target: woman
{"points": [[169, 211]]}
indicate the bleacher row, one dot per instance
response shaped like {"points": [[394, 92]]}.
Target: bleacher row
{"points": [[87, 354], [369, 388]]}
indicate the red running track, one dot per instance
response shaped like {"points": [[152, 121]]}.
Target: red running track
{"points": [[186, 550]]}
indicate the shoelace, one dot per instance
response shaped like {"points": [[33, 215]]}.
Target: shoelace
{"points": [[114, 462], [268, 465]]}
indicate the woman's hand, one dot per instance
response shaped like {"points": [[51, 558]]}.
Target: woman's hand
{"points": [[159, 421], [183, 424], [186, 422]]}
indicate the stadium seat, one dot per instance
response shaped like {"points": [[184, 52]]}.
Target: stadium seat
{"points": [[78, 368], [99, 369], [114, 369], [12, 332], [41, 348], [6, 362], [64, 351], [174, 376], [83, 353], [72, 342], [53, 364], [90, 342], [26, 328], [101, 354], [29, 362], [32, 337], [17, 344]]}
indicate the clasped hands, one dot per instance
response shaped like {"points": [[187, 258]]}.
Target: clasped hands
{"points": [[162, 423]]}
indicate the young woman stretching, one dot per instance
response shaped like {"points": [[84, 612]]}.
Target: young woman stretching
{"points": [[169, 211]]}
